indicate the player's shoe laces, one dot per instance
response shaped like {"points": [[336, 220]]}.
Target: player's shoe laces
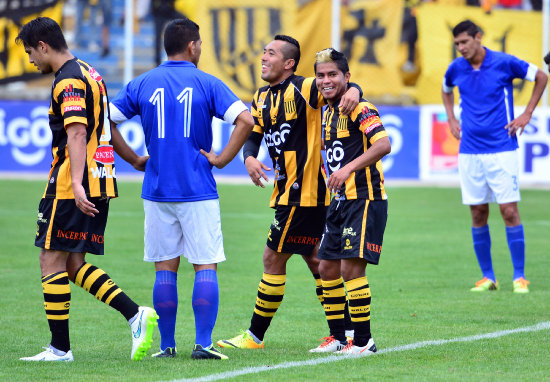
{"points": [[242, 341], [485, 284], [359, 351], [207, 353], [142, 332], [520, 285], [329, 345], [49, 355], [166, 353]]}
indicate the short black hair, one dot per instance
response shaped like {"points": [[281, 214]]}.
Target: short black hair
{"points": [[42, 29], [290, 50], [178, 34], [332, 55], [467, 26], [547, 58]]}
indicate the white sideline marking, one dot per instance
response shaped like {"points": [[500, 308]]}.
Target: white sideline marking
{"points": [[335, 358]]}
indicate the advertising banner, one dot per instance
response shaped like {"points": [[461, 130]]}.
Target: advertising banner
{"points": [[25, 141], [439, 149]]}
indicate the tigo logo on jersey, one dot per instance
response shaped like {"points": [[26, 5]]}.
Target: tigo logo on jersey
{"points": [[105, 154]]}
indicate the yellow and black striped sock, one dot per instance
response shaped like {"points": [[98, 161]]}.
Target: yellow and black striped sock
{"points": [[318, 287], [359, 308], [98, 284], [57, 301], [270, 296], [334, 296]]}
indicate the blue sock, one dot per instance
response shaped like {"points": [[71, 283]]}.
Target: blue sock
{"points": [[165, 302], [482, 248], [205, 305], [516, 243]]}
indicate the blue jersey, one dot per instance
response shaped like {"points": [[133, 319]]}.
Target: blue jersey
{"points": [[486, 100], [176, 103]]}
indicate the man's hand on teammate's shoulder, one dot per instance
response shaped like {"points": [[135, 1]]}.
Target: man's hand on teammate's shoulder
{"points": [[349, 101]]}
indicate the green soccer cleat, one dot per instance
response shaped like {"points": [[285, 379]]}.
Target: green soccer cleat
{"points": [[166, 353], [207, 353], [142, 332], [484, 285], [520, 286], [242, 341]]}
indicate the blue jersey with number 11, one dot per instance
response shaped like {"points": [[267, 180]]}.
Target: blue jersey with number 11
{"points": [[176, 103]]}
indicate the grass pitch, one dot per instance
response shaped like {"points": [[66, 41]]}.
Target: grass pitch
{"points": [[420, 293]]}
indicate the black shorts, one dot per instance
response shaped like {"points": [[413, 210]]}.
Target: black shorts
{"points": [[296, 229], [355, 229], [63, 227]]}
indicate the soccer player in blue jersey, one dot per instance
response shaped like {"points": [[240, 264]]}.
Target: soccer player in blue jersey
{"points": [[176, 103], [488, 159]]}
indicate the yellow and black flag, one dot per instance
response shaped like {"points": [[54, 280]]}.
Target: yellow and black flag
{"points": [[14, 62]]}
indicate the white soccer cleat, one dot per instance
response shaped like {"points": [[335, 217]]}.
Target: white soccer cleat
{"points": [[142, 332], [49, 355], [352, 350], [329, 345]]}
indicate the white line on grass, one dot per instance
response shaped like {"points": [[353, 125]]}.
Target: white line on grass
{"points": [[335, 358]]}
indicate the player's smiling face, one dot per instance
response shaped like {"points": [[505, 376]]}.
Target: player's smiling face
{"points": [[467, 45], [274, 65], [331, 82]]}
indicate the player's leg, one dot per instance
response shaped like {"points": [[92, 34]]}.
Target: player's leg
{"points": [[203, 247], [481, 238], [359, 297], [516, 243], [334, 293], [476, 193], [312, 262], [362, 243], [58, 232], [165, 302], [162, 221], [503, 180], [57, 300], [334, 304], [284, 238]]}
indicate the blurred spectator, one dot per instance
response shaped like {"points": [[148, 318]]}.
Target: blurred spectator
{"points": [[163, 11], [409, 34], [105, 7]]}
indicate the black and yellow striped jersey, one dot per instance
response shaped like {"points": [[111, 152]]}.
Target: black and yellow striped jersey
{"points": [[79, 95], [288, 116], [348, 137]]}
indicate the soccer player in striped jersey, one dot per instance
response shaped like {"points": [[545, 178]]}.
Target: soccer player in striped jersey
{"points": [[287, 114], [176, 102], [72, 214], [487, 156], [356, 218]]}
